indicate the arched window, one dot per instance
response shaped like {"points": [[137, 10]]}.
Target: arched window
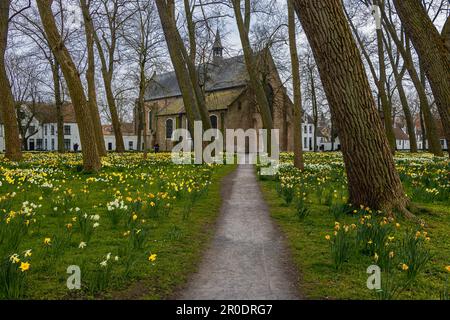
{"points": [[213, 119], [169, 128], [150, 120]]}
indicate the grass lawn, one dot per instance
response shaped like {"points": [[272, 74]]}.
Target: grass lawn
{"points": [[154, 216], [311, 250]]}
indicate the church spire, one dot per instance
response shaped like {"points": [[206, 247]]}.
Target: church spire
{"points": [[217, 48]]}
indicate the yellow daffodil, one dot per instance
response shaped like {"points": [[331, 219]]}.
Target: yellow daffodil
{"points": [[24, 266]]}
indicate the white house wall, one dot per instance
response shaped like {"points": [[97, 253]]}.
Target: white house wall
{"points": [[130, 142], [49, 138]]}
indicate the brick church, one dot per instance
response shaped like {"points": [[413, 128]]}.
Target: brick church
{"points": [[229, 99]]}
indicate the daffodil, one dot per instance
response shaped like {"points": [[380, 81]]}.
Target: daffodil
{"points": [[24, 266], [14, 258]]}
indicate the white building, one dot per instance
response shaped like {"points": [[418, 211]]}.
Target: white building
{"points": [[401, 139], [41, 130], [128, 133]]}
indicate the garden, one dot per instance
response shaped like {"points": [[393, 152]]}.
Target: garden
{"points": [[135, 231], [333, 243]]}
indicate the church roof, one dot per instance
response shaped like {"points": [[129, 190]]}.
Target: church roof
{"points": [[400, 134], [216, 100], [229, 73], [128, 129], [46, 113]]}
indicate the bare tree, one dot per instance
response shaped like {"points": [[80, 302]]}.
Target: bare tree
{"points": [[113, 15], [144, 39], [432, 53], [298, 111], [90, 76], [255, 78], [372, 177], [380, 78], [403, 46], [12, 138], [91, 159]]}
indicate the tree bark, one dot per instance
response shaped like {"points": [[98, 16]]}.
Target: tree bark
{"points": [[249, 56], [434, 145], [372, 177], [432, 53], [380, 81], [179, 65], [446, 36], [91, 159], [90, 78], [59, 105], [386, 106], [13, 150], [315, 109], [296, 84], [189, 59], [403, 99], [107, 73]]}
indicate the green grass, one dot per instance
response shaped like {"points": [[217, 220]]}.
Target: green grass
{"points": [[312, 257], [178, 240]]}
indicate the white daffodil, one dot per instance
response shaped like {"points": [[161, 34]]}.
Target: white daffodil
{"points": [[82, 245]]}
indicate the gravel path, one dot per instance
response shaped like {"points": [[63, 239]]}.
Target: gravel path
{"points": [[247, 259]]}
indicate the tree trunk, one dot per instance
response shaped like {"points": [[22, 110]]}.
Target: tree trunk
{"points": [[107, 74], [446, 36], [403, 99], [386, 106], [432, 53], [140, 108], [424, 133], [91, 159], [315, 108], [298, 143], [372, 177], [380, 81], [107, 81], [430, 133], [90, 78], [255, 79], [59, 105], [178, 62], [12, 139]]}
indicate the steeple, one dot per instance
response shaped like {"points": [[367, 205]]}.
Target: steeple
{"points": [[217, 48]]}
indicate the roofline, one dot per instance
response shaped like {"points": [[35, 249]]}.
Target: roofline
{"points": [[176, 114], [208, 91]]}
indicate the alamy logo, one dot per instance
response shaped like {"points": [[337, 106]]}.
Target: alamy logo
{"points": [[376, 12], [246, 146], [374, 280], [74, 280]]}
